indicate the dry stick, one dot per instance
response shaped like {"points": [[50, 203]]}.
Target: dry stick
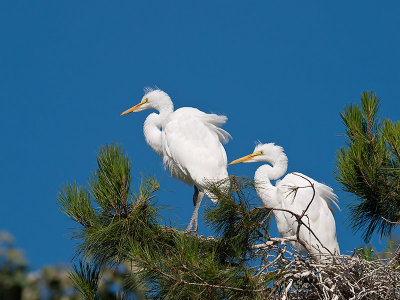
{"points": [[297, 216], [274, 241], [391, 222], [313, 196], [302, 215], [396, 255], [278, 257]]}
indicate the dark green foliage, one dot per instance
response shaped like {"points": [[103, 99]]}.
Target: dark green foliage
{"points": [[110, 215], [75, 203], [179, 265], [121, 226], [114, 231], [110, 183], [370, 167], [236, 222], [121, 229]]}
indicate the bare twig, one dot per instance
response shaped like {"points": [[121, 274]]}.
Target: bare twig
{"points": [[391, 222]]}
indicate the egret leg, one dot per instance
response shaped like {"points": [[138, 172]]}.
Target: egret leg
{"points": [[195, 195], [197, 198]]}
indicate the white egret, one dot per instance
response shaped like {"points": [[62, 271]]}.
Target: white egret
{"points": [[294, 193], [189, 142]]}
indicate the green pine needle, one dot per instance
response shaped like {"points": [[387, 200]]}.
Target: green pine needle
{"points": [[85, 279], [369, 167]]}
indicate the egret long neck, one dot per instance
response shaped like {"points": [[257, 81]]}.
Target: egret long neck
{"points": [[152, 129], [279, 167], [263, 176]]}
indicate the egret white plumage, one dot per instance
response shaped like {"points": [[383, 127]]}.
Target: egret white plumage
{"points": [[295, 193], [189, 142]]}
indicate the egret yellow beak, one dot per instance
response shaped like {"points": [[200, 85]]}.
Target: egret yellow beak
{"points": [[245, 158], [136, 107]]}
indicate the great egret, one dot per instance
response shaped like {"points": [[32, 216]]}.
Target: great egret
{"points": [[189, 142], [294, 193]]}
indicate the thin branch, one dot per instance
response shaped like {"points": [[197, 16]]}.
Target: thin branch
{"points": [[235, 185], [391, 222], [182, 281]]}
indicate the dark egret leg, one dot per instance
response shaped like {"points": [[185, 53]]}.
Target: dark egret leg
{"points": [[197, 198]]}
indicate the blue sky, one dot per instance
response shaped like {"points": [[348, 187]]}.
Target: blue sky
{"points": [[280, 70]]}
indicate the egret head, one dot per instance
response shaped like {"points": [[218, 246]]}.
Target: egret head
{"points": [[262, 152], [156, 99]]}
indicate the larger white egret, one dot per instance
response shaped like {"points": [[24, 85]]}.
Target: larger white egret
{"points": [[294, 193], [188, 140]]}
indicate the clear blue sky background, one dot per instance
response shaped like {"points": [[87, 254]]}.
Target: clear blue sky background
{"points": [[280, 70]]}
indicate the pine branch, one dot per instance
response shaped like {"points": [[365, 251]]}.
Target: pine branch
{"points": [[369, 167], [110, 183], [75, 202]]}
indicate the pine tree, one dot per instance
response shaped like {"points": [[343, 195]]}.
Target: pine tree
{"points": [[369, 167], [120, 227]]}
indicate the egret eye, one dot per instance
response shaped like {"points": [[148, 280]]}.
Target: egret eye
{"points": [[258, 153]]}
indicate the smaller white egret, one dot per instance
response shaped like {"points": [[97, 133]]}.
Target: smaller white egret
{"points": [[189, 142], [295, 193]]}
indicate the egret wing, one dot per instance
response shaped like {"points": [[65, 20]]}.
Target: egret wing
{"points": [[192, 145], [298, 196]]}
